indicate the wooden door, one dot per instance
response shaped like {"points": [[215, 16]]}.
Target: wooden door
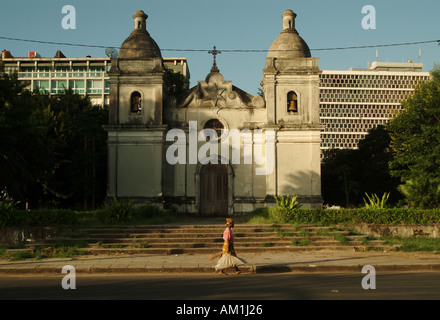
{"points": [[214, 190]]}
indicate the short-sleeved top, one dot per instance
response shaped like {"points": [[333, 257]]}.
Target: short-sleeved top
{"points": [[227, 235]]}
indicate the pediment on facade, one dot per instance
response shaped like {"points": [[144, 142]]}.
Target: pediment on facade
{"points": [[215, 92]]}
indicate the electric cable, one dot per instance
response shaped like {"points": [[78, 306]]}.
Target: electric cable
{"points": [[226, 50]]}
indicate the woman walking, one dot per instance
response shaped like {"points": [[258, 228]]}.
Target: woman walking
{"points": [[229, 258]]}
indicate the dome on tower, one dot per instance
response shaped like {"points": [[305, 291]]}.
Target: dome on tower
{"points": [[139, 45], [289, 44]]}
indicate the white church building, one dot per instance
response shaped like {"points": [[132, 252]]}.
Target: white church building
{"points": [[217, 150]]}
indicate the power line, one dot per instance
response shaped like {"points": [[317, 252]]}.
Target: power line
{"points": [[380, 45], [55, 43], [227, 50]]}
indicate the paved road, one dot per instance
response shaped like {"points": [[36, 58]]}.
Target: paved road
{"points": [[311, 286]]}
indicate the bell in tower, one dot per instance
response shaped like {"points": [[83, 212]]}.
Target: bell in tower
{"points": [[292, 102]]}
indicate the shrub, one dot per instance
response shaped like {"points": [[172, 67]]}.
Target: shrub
{"points": [[285, 210], [290, 202], [352, 216], [121, 211], [116, 211], [147, 211], [10, 216], [375, 203], [280, 215], [7, 213]]}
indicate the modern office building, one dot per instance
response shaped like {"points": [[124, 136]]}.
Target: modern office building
{"points": [[87, 76], [357, 100]]}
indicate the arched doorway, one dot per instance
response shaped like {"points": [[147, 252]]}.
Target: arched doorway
{"points": [[214, 190]]}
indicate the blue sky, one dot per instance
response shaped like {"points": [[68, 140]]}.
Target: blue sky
{"points": [[229, 24]]}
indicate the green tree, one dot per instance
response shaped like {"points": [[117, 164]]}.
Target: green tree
{"points": [[415, 134], [25, 144], [374, 155], [80, 151], [348, 174], [339, 177], [53, 150], [175, 83]]}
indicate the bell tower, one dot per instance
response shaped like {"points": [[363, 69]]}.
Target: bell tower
{"points": [[136, 131], [291, 90], [136, 78]]}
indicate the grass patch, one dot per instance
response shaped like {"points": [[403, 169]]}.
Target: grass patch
{"points": [[144, 245], [74, 234], [21, 255], [61, 252], [323, 232], [282, 234], [414, 244], [113, 246], [341, 238], [267, 244], [304, 233], [48, 252], [301, 242], [260, 216], [62, 249]]}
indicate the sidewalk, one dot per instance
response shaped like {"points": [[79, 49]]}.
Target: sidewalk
{"points": [[320, 261]]}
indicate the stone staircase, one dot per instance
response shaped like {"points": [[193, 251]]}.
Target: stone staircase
{"points": [[207, 239]]}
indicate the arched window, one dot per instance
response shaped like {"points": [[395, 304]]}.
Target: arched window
{"points": [[136, 102], [292, 102]]}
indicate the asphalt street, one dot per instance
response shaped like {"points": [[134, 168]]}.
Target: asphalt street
{"points": [[285, 286]]}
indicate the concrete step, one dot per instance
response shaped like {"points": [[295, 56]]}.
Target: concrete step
{"points": [[239, 250], [202, 239], [201, 228], [193, 239], [200, 234]]}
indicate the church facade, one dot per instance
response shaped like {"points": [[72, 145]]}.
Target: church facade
{"points": [[216, 150]]}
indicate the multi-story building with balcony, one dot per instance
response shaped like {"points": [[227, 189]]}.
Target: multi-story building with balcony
{"points": [[87, 76]]}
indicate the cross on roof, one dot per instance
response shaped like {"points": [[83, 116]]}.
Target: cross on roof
{"points": [[214, 52]]}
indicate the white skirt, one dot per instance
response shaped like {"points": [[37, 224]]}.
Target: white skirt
{"points": [[228, 261]]}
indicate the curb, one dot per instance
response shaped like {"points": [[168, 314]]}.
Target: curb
{"points": [[351, 269], [266, 269]]}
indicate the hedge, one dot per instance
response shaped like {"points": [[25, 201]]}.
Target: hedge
{"points": [[43, 217], [52, 217], [116, 212], [359, 215]]}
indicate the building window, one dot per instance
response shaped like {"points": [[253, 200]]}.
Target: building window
{"points": [[96, 71], [215, 125], [78, 71], [292, 102], [94, 86], [77, 86], [136, 102], [58, 86], [106, 86], [42, 86], [43, 72], [61, 72]]}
